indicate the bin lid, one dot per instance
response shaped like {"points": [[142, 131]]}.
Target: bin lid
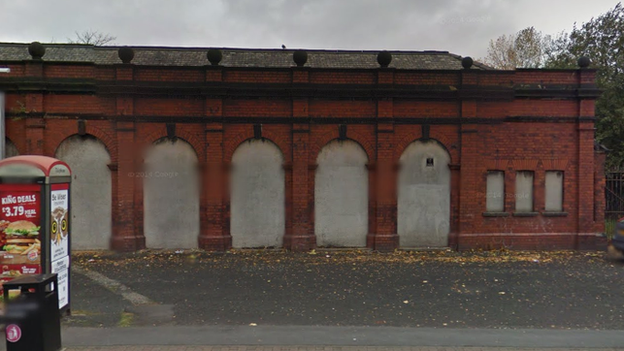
{"points": [[30, 280], [33, 166]]}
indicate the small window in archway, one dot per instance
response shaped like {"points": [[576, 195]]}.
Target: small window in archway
{"points": [[429, 161]]}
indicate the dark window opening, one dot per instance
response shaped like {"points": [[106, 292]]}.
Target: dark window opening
{"points": [[429, 162]]}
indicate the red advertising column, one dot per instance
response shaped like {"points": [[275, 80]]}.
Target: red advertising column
{"points": [[20, 230], [35, 221]]}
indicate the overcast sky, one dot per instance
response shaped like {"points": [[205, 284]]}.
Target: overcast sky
{"points": [[460, 26]]}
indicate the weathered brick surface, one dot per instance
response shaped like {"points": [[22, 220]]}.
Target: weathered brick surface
{"points": [[480, 134]]}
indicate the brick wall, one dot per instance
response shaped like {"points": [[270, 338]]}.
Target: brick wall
{"points": [[537, 133]]}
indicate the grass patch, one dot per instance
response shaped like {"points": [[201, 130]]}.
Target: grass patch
{"points": [[82, 313], [125, 320]]}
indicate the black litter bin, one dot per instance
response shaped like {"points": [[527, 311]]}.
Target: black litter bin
{"points": [[32, 318]]}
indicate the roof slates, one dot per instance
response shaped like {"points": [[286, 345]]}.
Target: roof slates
{"points": [[159, 56]]}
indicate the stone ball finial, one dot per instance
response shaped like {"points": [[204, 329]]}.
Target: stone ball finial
{"points": [[300, 57], [36, 50], [126, 54], [384, 58], [467, 62], [214, 56], [584, 61]]}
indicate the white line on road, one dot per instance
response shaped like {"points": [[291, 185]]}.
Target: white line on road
{"points": [[114, 286]]}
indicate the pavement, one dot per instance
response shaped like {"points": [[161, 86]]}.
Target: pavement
{"points": [[345, 300], [312, 348], [322, 336]]}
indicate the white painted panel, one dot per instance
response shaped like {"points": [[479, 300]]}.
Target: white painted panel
{"points": [[424, 196], [257, 208], [554, 191], [495, 193], [341, 195], [91, 191], [524, 191], [171, 195]]}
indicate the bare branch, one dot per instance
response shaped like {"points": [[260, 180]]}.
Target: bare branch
{"points": [[92, 37]]}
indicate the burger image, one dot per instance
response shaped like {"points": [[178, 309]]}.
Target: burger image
{"points": [[21, 237]]}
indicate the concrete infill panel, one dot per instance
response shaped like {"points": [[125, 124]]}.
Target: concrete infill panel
{"points": [[341, 195], [257, 207], [91, 194], [171, 195], [424, 196]]}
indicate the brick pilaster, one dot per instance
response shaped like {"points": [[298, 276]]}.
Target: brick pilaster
{"points": [[469, 157], [127, 233], [383, 174], [586, 169], [34, 136], [213, 235]]}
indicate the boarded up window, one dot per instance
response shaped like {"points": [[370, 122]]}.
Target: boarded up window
{"points": [[424, 196], [554, 191], [341, 195], [171, 195], [524, 191], [495, 193], [91, 191], [258, 213]]}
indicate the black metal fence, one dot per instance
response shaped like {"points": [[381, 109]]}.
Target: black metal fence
{"points": [[614, 194]]}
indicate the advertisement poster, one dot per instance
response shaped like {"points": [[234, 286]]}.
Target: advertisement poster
{"points": [[59, 239], [20, 237], [59, 224], [61, 267]]}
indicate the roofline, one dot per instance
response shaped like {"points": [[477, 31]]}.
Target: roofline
{"points": [[159, 47]]}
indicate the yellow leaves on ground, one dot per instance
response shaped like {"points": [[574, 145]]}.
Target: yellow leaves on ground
{"points": [[320, 256]]}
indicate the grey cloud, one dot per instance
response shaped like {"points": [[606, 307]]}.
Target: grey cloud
{"points": [[460, 26]]}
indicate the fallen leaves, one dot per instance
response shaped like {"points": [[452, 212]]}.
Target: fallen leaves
{"points": [[312, 257]]}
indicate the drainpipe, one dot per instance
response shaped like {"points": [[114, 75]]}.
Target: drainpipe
{"points": [[2, 124]]}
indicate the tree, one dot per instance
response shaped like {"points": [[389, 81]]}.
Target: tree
{"points": [[524, 49], [92, 37], [602, 40]]}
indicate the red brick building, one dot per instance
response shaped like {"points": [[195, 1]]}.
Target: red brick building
{"points": [[451, 153]]}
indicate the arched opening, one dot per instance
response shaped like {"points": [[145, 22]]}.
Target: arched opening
{"points": [[341, 195], [424, 195], [10, 149], [171, 194], [257, 208], [91, 191]]}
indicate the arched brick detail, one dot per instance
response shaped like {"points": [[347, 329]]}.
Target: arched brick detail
{"points": [[319, 141], [197, 145], [151, 138], [368, 144], [444, 140], [233, 143], [323, 139], [19, 150], [106, 138], [402, 143]]}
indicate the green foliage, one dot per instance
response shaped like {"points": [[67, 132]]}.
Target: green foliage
{"points": [[610, 227], [602, 40]]}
